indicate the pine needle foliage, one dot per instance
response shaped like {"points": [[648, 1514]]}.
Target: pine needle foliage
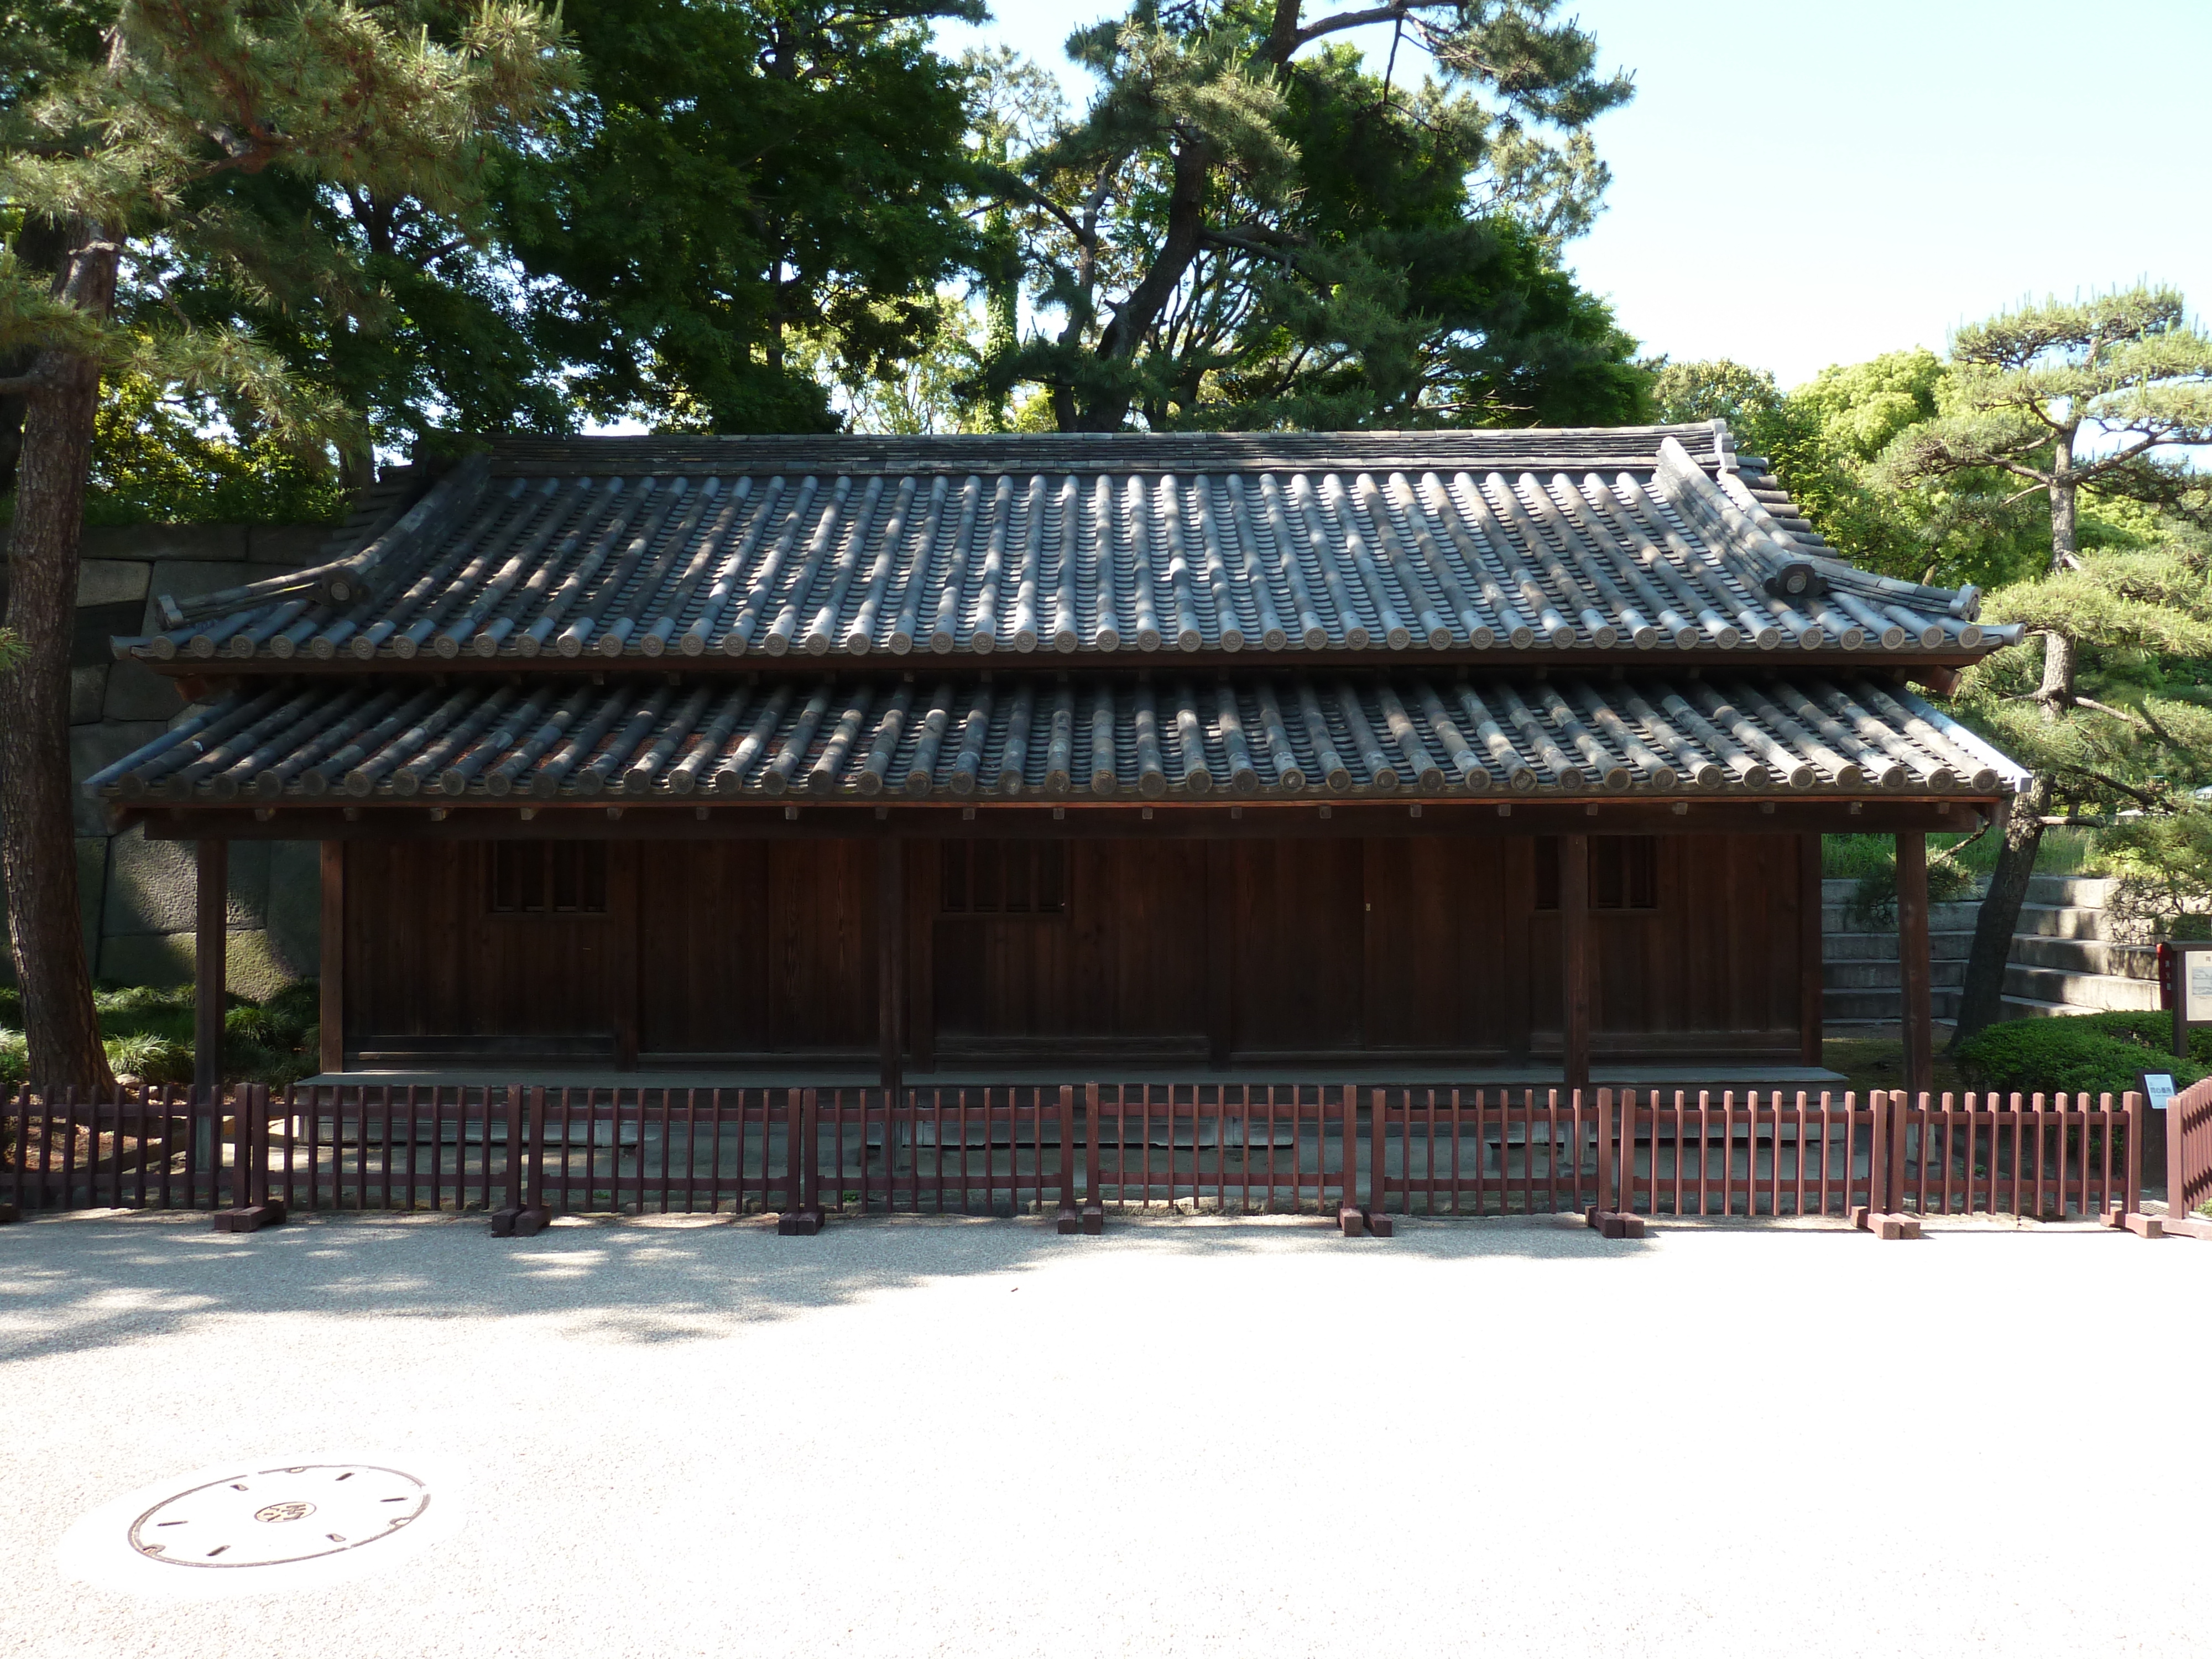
{"points": [[1249, 227]]}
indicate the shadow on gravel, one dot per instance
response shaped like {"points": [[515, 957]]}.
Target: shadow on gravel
{"points": [[77, 1283]]}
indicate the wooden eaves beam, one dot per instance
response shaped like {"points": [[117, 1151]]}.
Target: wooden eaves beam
{"points": [[829, 819]]}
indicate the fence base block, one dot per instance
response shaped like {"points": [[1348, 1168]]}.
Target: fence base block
{"points": [[2185, 1226], [1351, 1221], [1379, 1224], [2142, 1225], [8, 1212], [1067, 1222], [251, 1219], [526, 1223], [1883, 1224], [1615, 1223], [799, 1224], [1094, 1220]]}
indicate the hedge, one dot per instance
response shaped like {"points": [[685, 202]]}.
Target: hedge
{"points": [[2092, 1054]]}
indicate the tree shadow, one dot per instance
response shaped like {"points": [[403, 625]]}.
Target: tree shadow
{"points": [[78, 1283]]}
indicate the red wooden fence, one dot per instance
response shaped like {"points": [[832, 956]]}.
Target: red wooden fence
{"points": [[2189, 1160], [1317, 1149]]}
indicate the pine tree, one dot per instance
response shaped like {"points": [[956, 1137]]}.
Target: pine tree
{"points": [[117, 168], [1250, 227], [2098, 395]]}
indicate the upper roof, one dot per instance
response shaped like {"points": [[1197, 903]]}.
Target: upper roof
{"points": [[1508, 547]]}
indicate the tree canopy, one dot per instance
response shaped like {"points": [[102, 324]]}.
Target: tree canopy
{"points": [[1247, 227]]}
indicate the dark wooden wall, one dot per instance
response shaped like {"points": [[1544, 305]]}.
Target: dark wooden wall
{"points": [[1181, 952]]}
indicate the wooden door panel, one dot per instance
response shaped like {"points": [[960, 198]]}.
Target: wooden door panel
{"points": [[1301, 955]]}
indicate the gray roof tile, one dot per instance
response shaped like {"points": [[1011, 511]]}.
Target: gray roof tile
{"points": [[1640, 542]]}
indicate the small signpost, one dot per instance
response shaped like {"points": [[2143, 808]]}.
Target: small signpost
{"points": [[2185, 985]]}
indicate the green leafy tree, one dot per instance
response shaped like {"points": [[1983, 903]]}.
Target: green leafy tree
{"points": [[740, 182], [116, 176], [1249, 227], [2103, 395]]}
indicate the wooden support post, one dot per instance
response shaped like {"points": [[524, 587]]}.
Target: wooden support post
{"points": [[1810, 995], [1913, 961], [210, 937], [891, 967], [332, 1057], [1220, 951], [1574, 959], [625, 919]]}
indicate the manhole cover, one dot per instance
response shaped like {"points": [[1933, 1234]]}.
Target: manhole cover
{"points": [[264, 1517], [268, 1526]]}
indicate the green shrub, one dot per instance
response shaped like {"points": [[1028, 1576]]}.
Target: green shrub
{"points": [[147, 1032], [2153, 1029], [149, 1058], [2065, 1055]]}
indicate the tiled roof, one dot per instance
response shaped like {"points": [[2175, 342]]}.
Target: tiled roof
{"points": [[404, 737], [1637, 543]]}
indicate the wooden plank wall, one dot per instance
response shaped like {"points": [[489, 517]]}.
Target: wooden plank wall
{"points": [[1183, 951]]}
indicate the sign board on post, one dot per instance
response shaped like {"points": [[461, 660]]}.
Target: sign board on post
{"points": [[2185, 985]]}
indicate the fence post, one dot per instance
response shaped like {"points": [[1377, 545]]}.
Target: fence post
{"points": [[1094, 1203], [1379, 1224], [1877, 1162], [1067, 1220], [17, 1103], [1348, 1218], [524, 1214], [802, 1218], [1880, 1215]]}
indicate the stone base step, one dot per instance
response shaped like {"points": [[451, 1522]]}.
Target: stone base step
{"points": [[1949, 946], [2091, 993], [2085, 956], [1886, 975]]}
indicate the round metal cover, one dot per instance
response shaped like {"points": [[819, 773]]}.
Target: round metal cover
{"points": [[270, 1525], [266, 1516]]}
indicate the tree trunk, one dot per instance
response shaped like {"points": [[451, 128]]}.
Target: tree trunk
{"points": [[38, 845], [1124, 334], [1981, 999], [2065, 547]]}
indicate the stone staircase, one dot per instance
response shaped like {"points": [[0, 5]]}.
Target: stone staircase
{"points": [[2064, 959]]}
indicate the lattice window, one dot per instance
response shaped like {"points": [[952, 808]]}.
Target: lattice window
{"points": [[549, 878], [1624, 872], [1003, 878]]}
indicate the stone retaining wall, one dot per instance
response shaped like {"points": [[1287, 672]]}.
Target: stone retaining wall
{"points": [[137, 894]]}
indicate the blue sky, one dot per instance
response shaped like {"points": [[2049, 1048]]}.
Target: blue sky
{"points": [[1803, 183]]}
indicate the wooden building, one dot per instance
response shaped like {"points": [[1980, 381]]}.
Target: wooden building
{"points": [[1443, 749]]}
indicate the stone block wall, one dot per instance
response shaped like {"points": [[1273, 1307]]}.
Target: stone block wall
{"points": [[138, 895]]}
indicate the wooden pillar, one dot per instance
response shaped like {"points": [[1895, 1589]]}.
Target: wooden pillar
{"points": [[1810, 990], [210, 937], [1220, 951], [1574, 958], [332, 1057], [625, 919], [890, 962], [1912, 960]]}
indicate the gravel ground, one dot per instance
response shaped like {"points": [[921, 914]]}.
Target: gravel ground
{"points": [[980, 1438]]}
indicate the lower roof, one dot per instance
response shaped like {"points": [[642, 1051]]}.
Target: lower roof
{"points": [[857, 736]]}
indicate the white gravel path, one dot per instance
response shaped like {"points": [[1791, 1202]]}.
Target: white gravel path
{"points": [[980, 1438]]}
